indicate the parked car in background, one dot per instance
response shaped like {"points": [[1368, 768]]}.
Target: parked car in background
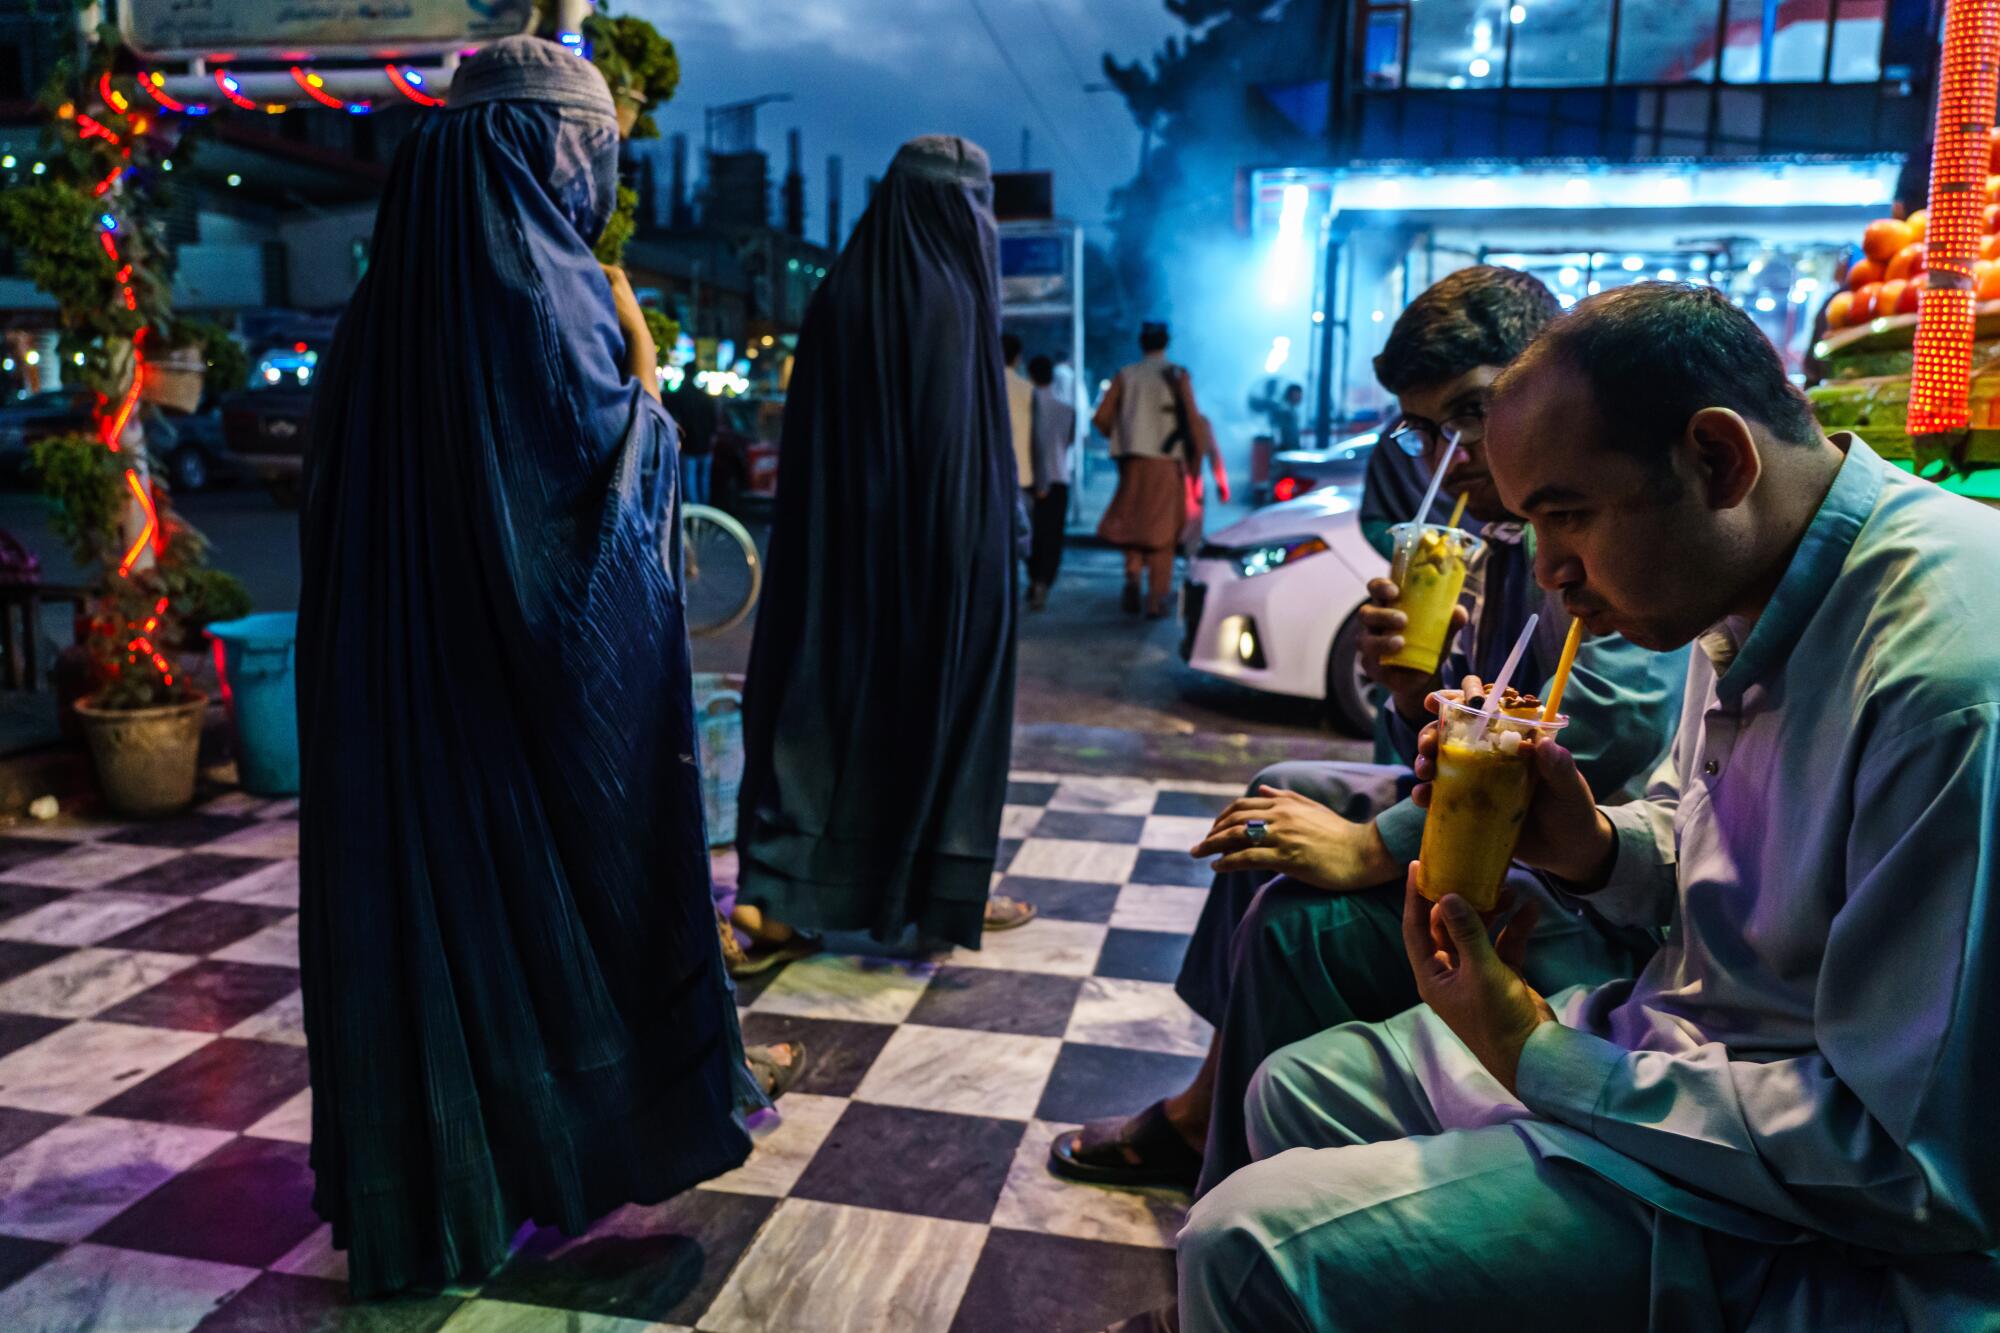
{"points": [[1296, 472], [1270, 603], [36, 417], [265, 429], [744, 478], [191, 450], [187, 448]]}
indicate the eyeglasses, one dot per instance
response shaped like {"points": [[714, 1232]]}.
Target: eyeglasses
{"points": [[1420, 438]]}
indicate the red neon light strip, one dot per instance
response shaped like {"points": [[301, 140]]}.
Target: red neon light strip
{"points": [[105, 185], [158, 94], [410, 90], [146, 533], [319, 95], [112, 97], [115, 423], [234, 97]]}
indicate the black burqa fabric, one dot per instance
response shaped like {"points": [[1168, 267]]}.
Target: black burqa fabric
{"points": [[515, 1005], [879, 710]]}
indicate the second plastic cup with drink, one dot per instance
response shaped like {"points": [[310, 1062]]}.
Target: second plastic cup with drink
{"points": [[1429, 568], [1479, 797]]}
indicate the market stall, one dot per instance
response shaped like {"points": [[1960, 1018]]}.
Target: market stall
{"points": [[1912, 353]]}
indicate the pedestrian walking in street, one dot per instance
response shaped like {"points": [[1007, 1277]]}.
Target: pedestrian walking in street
{"points": [[878, 715], [1149, 415], [1054, 434], [515, 1003], [694, 411], [1020, 411]]}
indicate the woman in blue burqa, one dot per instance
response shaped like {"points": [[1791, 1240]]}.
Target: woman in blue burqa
{"points": [[515, 1003], [879, 710]]}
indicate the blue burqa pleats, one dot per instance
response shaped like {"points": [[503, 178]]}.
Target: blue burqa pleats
{"points": [[515, 1003]]}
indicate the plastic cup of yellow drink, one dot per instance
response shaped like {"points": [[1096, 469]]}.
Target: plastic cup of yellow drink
{"points": [[1479, 798], [1428, 568]]}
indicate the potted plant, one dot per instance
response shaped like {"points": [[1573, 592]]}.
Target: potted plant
{"points": [[86, 231], [638, 63], [200, 357], [142, 714]]}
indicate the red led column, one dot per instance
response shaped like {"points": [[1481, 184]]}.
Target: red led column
{"points": [[1968, 80]]}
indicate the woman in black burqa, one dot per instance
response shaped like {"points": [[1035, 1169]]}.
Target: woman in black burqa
{"points": [[515, 1004], [878, 715]]}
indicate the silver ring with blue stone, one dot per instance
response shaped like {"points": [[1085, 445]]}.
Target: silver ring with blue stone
{"points": [[1256, 830]]}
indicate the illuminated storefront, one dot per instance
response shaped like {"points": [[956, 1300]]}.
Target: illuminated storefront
{"points": [[1593, 142]]}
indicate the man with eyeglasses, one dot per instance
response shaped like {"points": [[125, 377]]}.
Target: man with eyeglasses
{"points": [[1302, 928]]}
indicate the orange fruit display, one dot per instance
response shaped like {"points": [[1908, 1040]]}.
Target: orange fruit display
{"points": [[1862, 273], [1840, 310], [1886, 236], [1919, 224], [1913, 296], [1889, 297], [1989, 247], [1864, 302], [1988, 277], [1909, 262]]}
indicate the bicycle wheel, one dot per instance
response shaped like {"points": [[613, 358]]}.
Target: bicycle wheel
{"points": [[721, 570]]}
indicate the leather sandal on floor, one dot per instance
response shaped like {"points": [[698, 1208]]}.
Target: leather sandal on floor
{"points": [[763, 957], [1103, 1153], [774, 1076], [1004, 913]]}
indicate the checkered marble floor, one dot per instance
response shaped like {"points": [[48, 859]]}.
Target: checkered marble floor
{"points": [[154, 1110]]}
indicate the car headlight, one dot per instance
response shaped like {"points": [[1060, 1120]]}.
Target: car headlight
{"points": [[1257, 560]]}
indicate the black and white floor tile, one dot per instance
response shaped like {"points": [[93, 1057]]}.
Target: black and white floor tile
{"points": [[155, 1114]]}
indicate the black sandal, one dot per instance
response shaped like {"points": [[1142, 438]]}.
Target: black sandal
{"points": [[1096, 1154]]}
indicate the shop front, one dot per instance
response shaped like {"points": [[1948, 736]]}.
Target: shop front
{"points": [[1347, 249]]}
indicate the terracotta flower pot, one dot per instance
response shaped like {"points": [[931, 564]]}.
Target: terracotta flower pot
{"points": [[630, 101], [145, 757], [175, 380]]}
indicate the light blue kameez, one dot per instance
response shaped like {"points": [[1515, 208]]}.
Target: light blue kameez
{"points": [[1794, 1101]]}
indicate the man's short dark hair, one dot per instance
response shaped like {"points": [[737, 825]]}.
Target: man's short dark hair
{"points": [[1655, 353], [1478, 316], [1298, 389], [1010, 347], [1042, 371], [1153, 337]]}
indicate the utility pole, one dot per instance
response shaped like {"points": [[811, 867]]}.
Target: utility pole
{"points": [[833, 201]]}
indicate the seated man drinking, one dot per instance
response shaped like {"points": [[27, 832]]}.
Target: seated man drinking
{"points": [[1319, 945], [1782, 1122]]}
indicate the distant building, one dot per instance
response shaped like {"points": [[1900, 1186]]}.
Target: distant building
{"points": [[1722, 141], [723, 270]]}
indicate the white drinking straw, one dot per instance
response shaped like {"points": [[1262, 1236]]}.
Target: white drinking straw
{"points": [[1437, 482], [1498, 688]]}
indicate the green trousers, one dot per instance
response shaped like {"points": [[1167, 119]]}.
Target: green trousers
{"points": [[1276, 963]]}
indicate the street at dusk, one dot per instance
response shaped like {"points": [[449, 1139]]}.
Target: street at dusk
{"points": [[1070, 666]]}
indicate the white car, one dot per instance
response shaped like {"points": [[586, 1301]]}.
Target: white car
{"points": [[1270, 603]]}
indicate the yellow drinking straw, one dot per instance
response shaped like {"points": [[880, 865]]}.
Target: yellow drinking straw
{"points": [[1563, 664], [1457, 512]]}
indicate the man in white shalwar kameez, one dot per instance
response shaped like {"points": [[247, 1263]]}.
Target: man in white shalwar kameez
{"points": [[1791, 1118]]}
